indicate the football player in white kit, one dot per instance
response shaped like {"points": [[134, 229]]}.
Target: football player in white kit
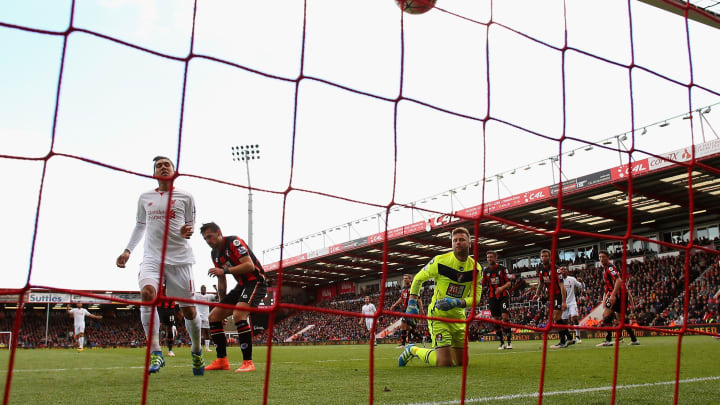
{"points": [[369, 309], [150, 222], [571, 313], [204, 312], [79, 313]]}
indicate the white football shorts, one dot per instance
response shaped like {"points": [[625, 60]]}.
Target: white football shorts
{"points": [[570, 312], [179, 280]]}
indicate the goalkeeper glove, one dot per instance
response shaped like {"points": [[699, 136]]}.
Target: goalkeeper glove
{"points": [[446, 303], [412, 309]]}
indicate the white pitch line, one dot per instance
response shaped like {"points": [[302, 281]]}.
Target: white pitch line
{"points": [[577, 391]]}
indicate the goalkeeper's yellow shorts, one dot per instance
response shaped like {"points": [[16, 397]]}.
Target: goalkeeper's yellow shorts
{"points": [[446, 334]]}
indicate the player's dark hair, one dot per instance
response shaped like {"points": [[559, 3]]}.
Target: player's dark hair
{"points": [[156, 158], [546, 250], [491, 252], [604, 252], [212, 226], [460, 229]]}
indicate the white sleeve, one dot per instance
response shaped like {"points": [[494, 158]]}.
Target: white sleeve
{"points": [[136, 236], [139, 230], [190, 211]]}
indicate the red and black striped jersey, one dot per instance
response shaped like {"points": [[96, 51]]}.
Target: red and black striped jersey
{"points": [[405, 296], [234, 250], [610, 274], [545, 275], [165, 304], [494, 278]]}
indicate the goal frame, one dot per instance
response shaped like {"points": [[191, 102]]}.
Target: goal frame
{"points": [[10, 341]]}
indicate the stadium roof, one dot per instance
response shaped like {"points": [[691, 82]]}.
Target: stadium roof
{"points": [[594, 207]]}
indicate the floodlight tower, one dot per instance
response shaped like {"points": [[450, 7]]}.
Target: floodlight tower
{"points": [[246, 153]]}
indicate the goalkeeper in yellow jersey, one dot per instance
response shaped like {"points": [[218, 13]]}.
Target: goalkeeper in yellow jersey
{"points": [[453, 273]]}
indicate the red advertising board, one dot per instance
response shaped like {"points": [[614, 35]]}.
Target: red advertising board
{"points": [[623, 172], [346, 287]]}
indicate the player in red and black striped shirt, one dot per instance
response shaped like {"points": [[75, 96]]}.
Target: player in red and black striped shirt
{"points": [[551, 285], [496, 282], [166, 315], [612, 298], [232, 256], [407, 325]]}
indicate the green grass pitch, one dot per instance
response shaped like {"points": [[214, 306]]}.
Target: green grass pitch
{"points": [[580, 374]]}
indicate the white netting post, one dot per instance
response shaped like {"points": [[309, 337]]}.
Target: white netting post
{"points": [[5, 339]]}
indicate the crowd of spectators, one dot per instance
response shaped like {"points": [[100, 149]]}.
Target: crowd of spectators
{"points": [[657, 285], [117, 328], [331, 326], [702, 241]]}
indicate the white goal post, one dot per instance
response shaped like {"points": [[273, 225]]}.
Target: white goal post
{"points": [[5, 339], [231, 336]]}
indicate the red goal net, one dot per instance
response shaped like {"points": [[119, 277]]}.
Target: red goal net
{"points": [[364, 114]]}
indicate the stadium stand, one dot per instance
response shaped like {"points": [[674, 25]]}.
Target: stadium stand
{"points": [[656, 281]]}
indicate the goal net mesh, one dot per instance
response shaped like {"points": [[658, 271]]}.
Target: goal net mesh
{"points": [[515, 95]]}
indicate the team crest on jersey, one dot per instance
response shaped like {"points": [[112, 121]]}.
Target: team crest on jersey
{"points": [[236, 242], [438, 337]]}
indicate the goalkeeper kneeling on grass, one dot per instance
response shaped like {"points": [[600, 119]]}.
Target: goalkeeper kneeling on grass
{"points": [[453, 273]]}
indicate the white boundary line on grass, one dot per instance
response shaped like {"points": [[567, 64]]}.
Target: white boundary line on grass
{"points": [[577, 391]]}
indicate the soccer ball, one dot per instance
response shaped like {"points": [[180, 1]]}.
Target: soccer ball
{"points": [[415, 6]]}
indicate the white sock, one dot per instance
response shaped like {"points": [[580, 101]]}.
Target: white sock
{"points": [[193, 328], [207, 344], [81, 340], [153, 337]]}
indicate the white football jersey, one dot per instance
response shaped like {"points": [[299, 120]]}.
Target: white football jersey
{"points": [[203, 310], [368, 309], [79, 316], [570, 284], [151, 215]]}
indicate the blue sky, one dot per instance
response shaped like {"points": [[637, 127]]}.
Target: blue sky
{"points": [[121, 106]]}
